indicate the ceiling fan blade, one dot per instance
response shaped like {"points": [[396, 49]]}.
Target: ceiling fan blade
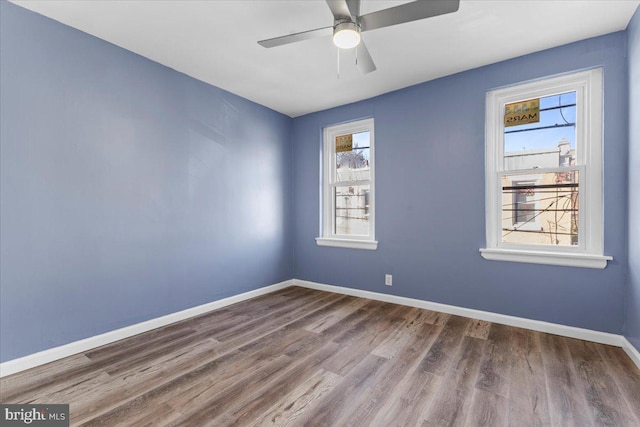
{"points": [[365, 62], [354, 7], [296, 37], [339, 8], [407, 12]]}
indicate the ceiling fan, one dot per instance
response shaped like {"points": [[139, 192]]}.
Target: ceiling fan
{"points": [[348, 24]]}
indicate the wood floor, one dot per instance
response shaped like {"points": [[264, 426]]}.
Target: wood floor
{"points": [[304, 357]]}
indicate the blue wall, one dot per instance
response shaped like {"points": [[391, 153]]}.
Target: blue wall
{"points": [[430, 197], [128, 190], [632, 321]]}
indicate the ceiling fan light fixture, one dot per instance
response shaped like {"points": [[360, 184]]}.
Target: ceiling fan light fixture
{"points": [[346, 35]]}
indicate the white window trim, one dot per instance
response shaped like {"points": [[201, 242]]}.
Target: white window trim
{"points": [[328, 238], [589, 252], [371, 245]]}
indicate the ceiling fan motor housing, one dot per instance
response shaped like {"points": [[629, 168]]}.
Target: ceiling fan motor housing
{"points": [[346, 34]]}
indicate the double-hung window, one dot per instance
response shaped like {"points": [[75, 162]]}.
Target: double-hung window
{"points": [[544, 172], [348, 193]]}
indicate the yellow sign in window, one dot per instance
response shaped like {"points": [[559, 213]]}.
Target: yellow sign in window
{"points": [[344, 143], [522, 113]]}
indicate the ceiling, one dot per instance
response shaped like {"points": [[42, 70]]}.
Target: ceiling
{"points": [[215, 41]]}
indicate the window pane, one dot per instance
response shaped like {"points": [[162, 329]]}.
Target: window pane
{"points": [[551, 142], [540, 209], [352, 163], [524, 203], [352, 210]]}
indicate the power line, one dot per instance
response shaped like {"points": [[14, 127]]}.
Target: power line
{"points": [[537, 232]]}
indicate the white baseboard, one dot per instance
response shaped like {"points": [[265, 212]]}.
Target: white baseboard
{"points": [[503, 319], [56, 353], [16, 365], [631, 351]]}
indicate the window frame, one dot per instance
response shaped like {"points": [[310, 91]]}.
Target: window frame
{"points": [[328, 172], [527, 225], [588, 86]]}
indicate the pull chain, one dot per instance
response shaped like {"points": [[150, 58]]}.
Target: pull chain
{"points": [[338, 55]]}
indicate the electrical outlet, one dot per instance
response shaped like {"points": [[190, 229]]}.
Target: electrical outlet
{"points": [[388, 279]]}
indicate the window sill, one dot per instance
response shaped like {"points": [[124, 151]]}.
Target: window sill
{"points": [[550, 258], [371, 245]]}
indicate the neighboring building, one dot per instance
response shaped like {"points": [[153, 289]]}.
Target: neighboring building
{"points": [[352, 201], [540, 208]]}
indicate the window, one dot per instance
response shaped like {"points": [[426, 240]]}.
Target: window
{"points": [[544, 172], [348, 195], [524, 206]]}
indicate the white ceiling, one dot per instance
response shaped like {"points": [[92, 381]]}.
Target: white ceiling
{"points": [[215, 41]]}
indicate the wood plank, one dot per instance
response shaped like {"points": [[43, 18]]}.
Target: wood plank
{"points": [[567, 405], [182, 393], [275, 317], [451, 404], [626, 375], [111, 392], [528, 405], [403, 335], [478, 329], [328, 410], [367, 335], [487, 409], [352, 304], [411, 400], [160, 416], [159, 336], [496, 362], [288, 410], [524, 342], [608, 408], [367, 404], [436, 317], [414, 393], [259, 398], [442, 351]]}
